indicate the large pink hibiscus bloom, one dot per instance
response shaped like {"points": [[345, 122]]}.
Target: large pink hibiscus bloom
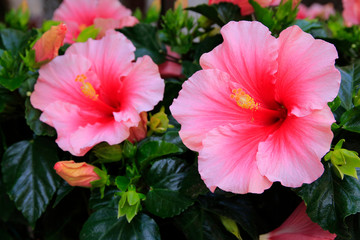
{"points": [[351, 13], [299, 227], [258, 111], [104, 14], [96, 92]]}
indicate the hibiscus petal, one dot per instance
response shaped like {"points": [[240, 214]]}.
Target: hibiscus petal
{"points": [[228, 158], [52, 86], [307, 78], [292, 154], [79, 11], [88, 136], [248, 54], [143, 87], [203, 104], [111, 58], [66, 118], [111, 9], [300, 227]]}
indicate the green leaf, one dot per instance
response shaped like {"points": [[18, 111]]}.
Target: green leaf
{"points": [[330, 200], [263, 15], [221, 13], [104, 225], [198, 224], [12, 39], [350, 78], [189, 68], [165, 198], [89, 32], [27, 169], [154, 149], [96, 202], [146, 40], [350, 120], [32, 116], [122, 183], [239, 208], [207, 45], [107, 153]]}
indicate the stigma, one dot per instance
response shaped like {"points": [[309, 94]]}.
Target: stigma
{"points": [[87, 89], [244, 100]]}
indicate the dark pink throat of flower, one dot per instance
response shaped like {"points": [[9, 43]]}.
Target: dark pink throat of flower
{"points": [[259, 112], [89, 92]]}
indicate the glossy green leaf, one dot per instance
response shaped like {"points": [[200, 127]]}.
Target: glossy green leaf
{"points": [[207, 45], [221, 13], [27, 169], [198, 224], [350, 78], [330, 200], [96, 202], [104, 225], [12, 39], [236, 207], [165, 178], [107, 153], [153, 149], [32, 116], [350, 120], [122, 183], [263, 15], [145, 38]]}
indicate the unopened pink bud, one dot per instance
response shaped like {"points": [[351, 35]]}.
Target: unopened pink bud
{"points": [[76, 174], [47, 47]]}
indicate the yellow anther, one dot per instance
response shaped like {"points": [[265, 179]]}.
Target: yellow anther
{"points": [[80, 78], [87, 89], [244, 100]]}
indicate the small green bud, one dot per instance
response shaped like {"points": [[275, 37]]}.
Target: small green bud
{"points": [[159, 122], [129, 149]]}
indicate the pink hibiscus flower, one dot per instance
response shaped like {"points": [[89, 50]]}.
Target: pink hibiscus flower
{"points": [[258, 111], [96, 92], [299, 227], [104, 14], [316, 10], [351, 13]]}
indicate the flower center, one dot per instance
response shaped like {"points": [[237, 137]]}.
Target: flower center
{"points": [[87, 89], [82, 27], [244, 100]]}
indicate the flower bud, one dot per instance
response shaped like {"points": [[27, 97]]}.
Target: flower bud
{"points": [[139, 133], [47, 47], [79, 174], [170, 69], [159, 122]]}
